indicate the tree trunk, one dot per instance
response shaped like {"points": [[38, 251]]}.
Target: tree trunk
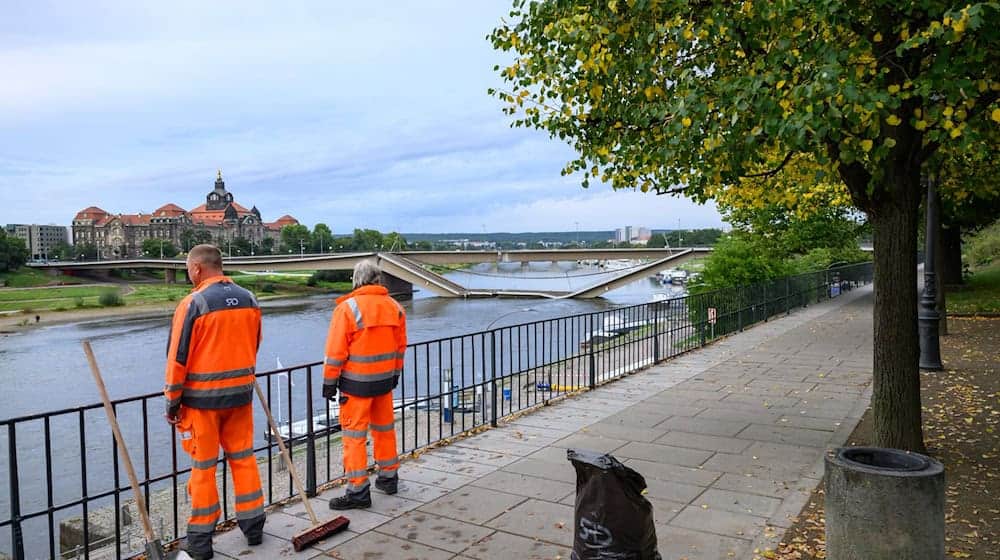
{"points": [[951, 245], [896, 398]]}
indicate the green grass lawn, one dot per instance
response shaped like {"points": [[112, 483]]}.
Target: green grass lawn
{"points": [[26, 277], [980, 294]]}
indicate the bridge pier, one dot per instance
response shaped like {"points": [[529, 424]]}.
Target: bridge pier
{"points": [[170, 276], [398, 288]]}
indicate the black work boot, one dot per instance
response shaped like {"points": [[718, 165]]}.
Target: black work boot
{"points": [[199, 546], [253, 529], [353, 500], [389, 485]]}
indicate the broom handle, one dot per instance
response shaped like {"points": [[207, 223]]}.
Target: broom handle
{"points": [[284, 452], [147, 527]]}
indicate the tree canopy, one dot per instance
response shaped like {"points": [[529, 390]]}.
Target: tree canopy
{"points": [[154, 247], [803, 104]]}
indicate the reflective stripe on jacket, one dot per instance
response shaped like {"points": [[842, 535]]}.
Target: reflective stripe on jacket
{"points": [[366, 343], [212, 348]]}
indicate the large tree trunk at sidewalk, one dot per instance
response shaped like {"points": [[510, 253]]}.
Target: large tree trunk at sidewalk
{"points": [[951, 251], [896, 398]]}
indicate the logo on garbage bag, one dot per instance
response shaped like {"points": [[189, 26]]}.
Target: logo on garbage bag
{"points": [[594, 535]]}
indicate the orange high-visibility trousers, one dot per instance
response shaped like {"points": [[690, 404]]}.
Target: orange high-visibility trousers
{"points": [[232, 428], [357, 415]]}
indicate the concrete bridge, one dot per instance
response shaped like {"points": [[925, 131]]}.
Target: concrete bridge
{"points": [[403, 270]]}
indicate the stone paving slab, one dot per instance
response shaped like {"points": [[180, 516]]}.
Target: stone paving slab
{"points": [[506, 545], [432, 530], [729, 438], [472, 504], [552, 523]]}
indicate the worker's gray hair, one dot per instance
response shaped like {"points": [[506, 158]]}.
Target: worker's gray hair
{"points": [[366, 272]]}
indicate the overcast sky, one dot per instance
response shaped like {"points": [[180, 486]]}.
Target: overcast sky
{"points": [[355, 114]]}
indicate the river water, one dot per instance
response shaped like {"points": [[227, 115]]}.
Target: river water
{"points": [[45, 369]]}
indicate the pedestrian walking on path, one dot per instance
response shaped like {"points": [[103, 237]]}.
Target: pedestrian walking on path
{"points": [[364, 358], [211, 356]]}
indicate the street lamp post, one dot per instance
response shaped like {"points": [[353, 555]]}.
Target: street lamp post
{"points": [[302, 247], [928, 316]]}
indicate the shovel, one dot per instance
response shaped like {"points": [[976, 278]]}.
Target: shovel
{"points": [[154, 550]]}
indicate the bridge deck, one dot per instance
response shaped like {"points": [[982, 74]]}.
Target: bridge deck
{"points": [[409, 267]]}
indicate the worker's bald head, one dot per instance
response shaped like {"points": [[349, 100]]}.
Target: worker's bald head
{"points": [[204, 261]]}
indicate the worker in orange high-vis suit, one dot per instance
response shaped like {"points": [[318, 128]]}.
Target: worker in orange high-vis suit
{"points": [[211, 356], [364, 358]]}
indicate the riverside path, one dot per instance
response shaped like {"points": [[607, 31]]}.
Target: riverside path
{"points": [[730, 439]]}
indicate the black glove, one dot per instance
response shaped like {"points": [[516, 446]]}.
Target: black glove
{"points": [[330, 391], [173, 414]]}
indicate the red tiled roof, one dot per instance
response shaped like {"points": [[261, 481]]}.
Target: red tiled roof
{"points": [[90, 213], [286, 220], [170, 209], [201, 212], [130, 219]]}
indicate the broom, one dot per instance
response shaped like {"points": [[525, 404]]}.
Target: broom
{"points": [[318, 531], [154, 550]]}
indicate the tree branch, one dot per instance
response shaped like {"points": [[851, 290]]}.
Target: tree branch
{"points": [[772, 172], [854, 175]]}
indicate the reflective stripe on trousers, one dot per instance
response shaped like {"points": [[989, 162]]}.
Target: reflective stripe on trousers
{"points": [[232, 429], [356, 415]]}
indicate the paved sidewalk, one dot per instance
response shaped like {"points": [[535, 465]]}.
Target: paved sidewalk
{"points": [[730, 439]]}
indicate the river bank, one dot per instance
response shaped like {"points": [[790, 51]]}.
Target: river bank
{"points": [[19, 322]]}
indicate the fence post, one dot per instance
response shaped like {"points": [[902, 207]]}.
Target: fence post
{"points": [[788, 295], [656, 332], [310, 435], [493, 377], [702, 319], [740, 295], [15, 495], [591, 359]]}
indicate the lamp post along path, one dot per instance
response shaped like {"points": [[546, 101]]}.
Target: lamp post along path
{"points": [[928, 316]]}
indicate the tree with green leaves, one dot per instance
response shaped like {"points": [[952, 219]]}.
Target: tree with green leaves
{"points": [[322, 238], [367, 240], [267, 246], [63, 251], [158, 248], [240, 247], [295, 238], [85, 251], [804, 104], [394, 241], [191, 237], [13, 252]]}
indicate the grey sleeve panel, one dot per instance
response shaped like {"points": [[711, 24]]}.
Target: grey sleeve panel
{"points": [[194, 311]]}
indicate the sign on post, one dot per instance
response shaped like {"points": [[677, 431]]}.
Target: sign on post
{"points": [[711, 315]]}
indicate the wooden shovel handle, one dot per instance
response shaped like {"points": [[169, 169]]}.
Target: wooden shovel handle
{"points": [[147, 527], [299, 487]]}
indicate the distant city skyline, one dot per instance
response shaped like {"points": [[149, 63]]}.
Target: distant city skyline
{"points": [[357, 117]]}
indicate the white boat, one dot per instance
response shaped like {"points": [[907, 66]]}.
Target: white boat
{"points": [[620, 325], [300, 428], [673, 292], [678, 277]]}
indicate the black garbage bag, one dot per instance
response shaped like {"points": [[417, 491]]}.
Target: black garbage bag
{"points": [[612, 521]]}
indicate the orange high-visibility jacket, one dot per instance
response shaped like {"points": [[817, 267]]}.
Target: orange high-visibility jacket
{"points": [[213, 345], [366, 343]]}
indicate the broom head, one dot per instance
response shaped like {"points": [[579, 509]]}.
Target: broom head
{"points": [[320, 532]]}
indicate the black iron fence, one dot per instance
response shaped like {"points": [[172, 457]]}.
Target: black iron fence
{"points": [[68, 497]]}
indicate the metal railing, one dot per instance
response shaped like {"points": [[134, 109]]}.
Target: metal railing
{"points": [[62, 467]]}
